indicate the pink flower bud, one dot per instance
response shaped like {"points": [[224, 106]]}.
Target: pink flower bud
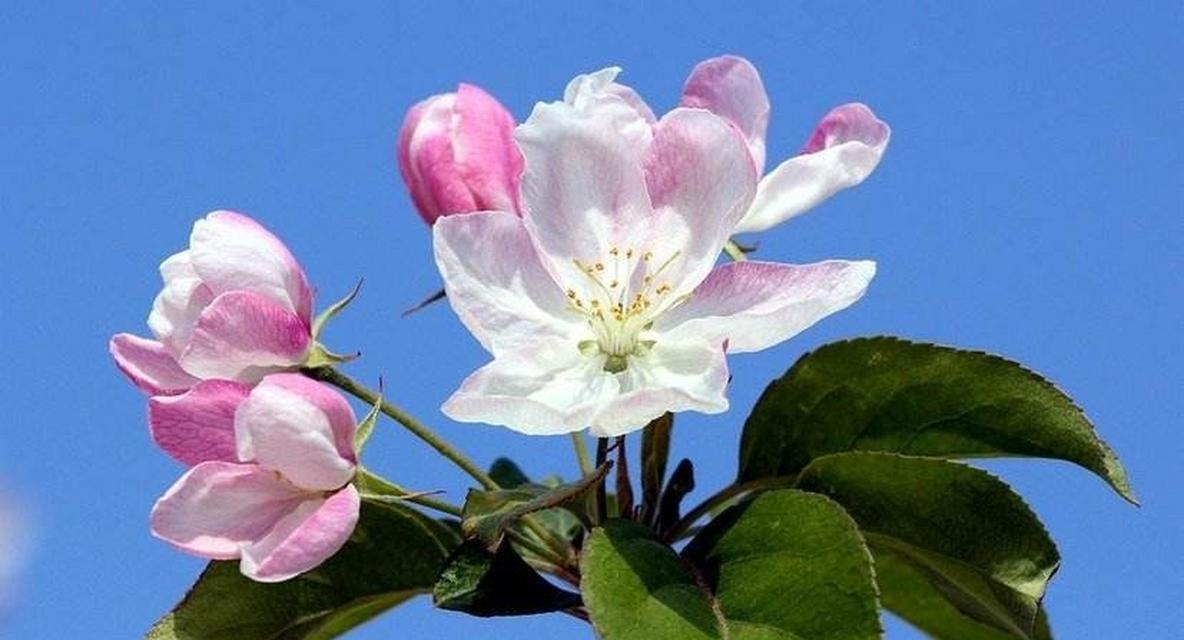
{"points": [[457, 154], [235, 306]]}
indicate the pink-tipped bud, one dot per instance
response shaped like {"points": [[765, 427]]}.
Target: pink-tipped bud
{"points": [[457, 154]]}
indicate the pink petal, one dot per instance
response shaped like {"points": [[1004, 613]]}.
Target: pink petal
{"points": [[231, 252], [303, 539], [755, 305], [217, 507], [730, 86], [430, 171], [583, 191], [198, 425], [243, 336], [299, 427], [496, 282], [149, 365], [842, 152], [853, 122], [428, 125], [701, 182], [488, 159], [674, 376], [541, 389]]}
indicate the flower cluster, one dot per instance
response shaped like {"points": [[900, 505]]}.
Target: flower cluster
{"points": [[580, 248], [592, 280], [271, 453]]}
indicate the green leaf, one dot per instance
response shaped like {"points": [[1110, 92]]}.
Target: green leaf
{"points": [[507, 473], [887, 394], [970, 536], [481, 583], [787, 565], [655, 452], [394, 554], [637, 588], [790, 561], [911, 595], [487, 514]]}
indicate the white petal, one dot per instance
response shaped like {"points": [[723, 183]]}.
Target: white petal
{"points": [[545, 389], [583, 190], [496, 283], [701, 180], [599, 91], [300, 428], [178, 305], [730, 86], [845, 148], [754, 305], [690, 375]]}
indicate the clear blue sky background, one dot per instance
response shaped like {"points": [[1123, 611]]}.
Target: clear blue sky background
{"points": [[1030, 204]]}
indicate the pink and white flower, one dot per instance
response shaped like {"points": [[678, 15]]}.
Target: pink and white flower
{"points": [[457, 154], [842, 151], [602, 305], [271, 484], [235, 306]]}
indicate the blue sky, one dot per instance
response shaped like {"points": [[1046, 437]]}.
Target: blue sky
{"points": [[1029, 204]]}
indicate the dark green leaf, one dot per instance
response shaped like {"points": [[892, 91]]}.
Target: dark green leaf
{"points": [[394, 554], [911, 595], [507, 473], [682, 482], [790, 561], [485, 584], [961, 528], [487, 514], [655, 451], [637, 588], [784, 566], [887, 394]]}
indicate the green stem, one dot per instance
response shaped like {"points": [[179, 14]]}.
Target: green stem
{"points": [[577, 439], [734, 251], [351, 386], [722, 497]]}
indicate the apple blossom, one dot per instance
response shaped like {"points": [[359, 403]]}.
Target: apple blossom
{"points": [[602, 305], [235, 305], [457, 154], [842, 151], [272, 478]]}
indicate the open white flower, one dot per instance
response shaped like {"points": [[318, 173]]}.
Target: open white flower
{"points": [[602, 305]]}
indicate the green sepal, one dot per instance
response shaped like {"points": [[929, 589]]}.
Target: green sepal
{"points": [[318, 325]]}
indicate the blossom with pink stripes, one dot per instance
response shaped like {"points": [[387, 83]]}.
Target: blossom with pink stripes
{"points": [[271, 481], [457, 154], [602, 305], [844, 148], [235, 306]]}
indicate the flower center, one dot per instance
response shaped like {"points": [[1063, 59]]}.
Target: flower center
{"points": [[622, 296]]}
